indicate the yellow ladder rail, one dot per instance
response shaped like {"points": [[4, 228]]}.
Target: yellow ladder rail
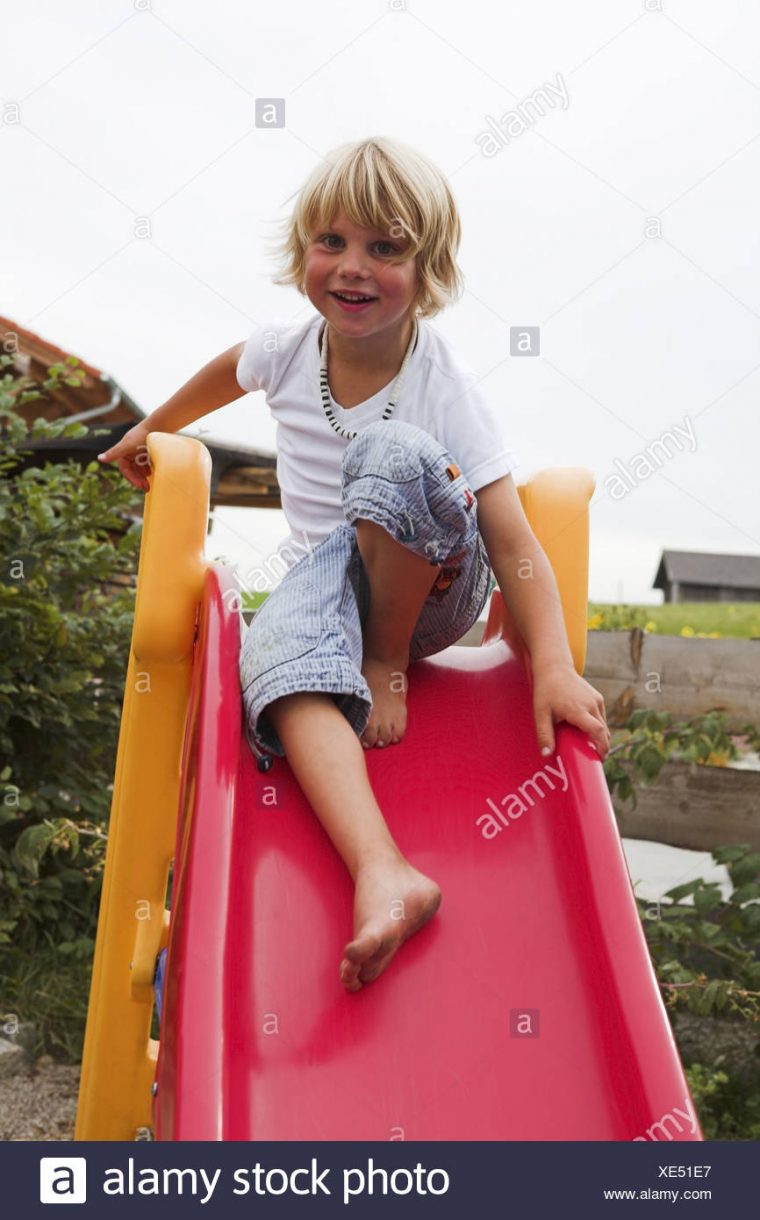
{"points": [[119, 1056]]}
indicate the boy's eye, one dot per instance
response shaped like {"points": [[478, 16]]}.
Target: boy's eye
{"points": [[390, 248]]}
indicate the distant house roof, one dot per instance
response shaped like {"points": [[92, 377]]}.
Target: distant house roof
{"points": [[704, 568], [240, 477]]}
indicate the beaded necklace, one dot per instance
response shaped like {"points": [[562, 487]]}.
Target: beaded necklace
{"points": [[325, 387]]}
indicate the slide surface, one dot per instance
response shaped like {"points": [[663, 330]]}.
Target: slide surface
{"points": [[527, 1009]]}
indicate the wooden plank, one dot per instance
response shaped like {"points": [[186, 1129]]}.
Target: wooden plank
{"points": [[684, 676], [696, 807]]}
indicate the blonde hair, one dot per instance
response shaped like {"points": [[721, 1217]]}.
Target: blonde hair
{"points": [[382, 184]]}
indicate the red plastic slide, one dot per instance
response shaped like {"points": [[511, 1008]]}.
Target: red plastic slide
{"points": [[527, 1009]]}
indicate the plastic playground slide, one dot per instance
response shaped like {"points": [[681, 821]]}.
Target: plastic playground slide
{"points": [[527, 1009]]}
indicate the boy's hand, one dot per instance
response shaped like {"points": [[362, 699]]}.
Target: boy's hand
{"points": [[131, 456], [560, 693]]}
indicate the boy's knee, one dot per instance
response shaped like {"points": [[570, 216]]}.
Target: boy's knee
{"points": [[401, 477], [392, 449]]}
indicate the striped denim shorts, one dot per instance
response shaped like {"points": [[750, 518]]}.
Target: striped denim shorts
{"points": [[307, 636]]}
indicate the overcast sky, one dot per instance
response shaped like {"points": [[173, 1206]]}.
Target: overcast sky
{"points": [[617, 212]]}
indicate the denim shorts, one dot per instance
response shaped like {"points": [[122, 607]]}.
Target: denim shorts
{"points": [[307, 636]]}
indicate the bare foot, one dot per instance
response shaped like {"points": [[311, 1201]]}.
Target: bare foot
{"points": [[387, 682], [392, 901]]}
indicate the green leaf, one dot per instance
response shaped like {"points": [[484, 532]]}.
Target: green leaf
{"points": [[680, 891], [746, 869], [712, 931], [731, 852], [31, 846], [707, 898], [649, 762], [745, 893], [709, 994]]}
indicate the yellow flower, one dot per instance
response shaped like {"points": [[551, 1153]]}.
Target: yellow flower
{"points": [[687, 631], [650, 626], [714, 759], [594, 621]]}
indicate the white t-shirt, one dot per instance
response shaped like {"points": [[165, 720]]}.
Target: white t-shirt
{"points": [[438, 394]]}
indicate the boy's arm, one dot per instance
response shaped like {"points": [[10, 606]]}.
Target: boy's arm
{"points": [[527, 583], [523, 574], [211, 387]]}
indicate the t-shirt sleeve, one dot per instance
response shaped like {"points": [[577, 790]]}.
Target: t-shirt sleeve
{"points": [[258, 361], [473, 435]]}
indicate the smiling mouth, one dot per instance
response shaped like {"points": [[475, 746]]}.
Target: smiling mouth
{"points": [[353, 300]]}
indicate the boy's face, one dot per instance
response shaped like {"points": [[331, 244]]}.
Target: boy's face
{"points": [[344, 257]]}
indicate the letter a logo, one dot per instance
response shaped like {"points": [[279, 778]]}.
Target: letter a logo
{"points": [[63, 1179]]}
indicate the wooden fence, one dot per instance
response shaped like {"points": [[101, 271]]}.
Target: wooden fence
{"points": [[689, 805]]}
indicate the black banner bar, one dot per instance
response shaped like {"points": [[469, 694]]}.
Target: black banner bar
{"points": [[368, 1179]]}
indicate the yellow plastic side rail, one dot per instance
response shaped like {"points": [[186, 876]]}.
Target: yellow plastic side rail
{"points": [[119, 1058], [555, 502]]}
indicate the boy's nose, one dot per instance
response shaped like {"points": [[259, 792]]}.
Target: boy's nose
{"points": [[351, 273], [352, 263]]}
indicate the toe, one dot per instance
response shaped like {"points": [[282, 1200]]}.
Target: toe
{"points": [[384, 734], [349, 975], [381, 946], [362, 947], [377, 731], [376, 966]]}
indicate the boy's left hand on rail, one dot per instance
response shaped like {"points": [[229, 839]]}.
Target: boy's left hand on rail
{"points": [[560, 693]]}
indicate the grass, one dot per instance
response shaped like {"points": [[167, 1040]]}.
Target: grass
{"points": [[252, 601], [717, 620], [52, 992]]}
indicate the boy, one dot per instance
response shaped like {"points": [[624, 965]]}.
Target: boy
{"points": [[406, 512]]}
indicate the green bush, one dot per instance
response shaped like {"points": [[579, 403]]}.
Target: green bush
{"points": [[727, 1110], [649, 739], [706, 956], [66, 533], [705, 949]]}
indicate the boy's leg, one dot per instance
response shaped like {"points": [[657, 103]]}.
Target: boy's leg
{"points": [[392, 899], [399, 583]]}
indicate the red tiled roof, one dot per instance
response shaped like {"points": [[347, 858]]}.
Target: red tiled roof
{"points": [[30, 340]]}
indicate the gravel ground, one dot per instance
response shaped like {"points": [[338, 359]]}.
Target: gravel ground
{"points": [[40, 1102]]}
